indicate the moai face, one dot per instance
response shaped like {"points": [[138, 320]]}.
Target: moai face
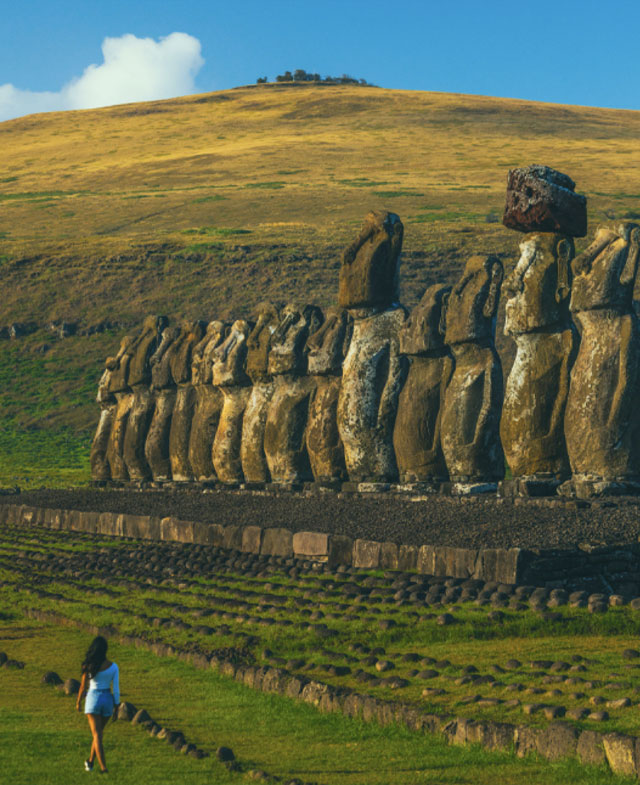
{"points": [[474, 301], [538, 288], [605, 273], [423, 332], [191, 333], [104, 395], [369, 272], [259, 343], [288, 354], [160, 360], [201, 371], [327, 347], [119, 366], [229, 357]]}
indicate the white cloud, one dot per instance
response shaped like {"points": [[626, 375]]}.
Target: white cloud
{"points": [[134, 69]]}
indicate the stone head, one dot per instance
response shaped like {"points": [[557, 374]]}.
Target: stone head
{"points": [[145, 344], [160, 360], [605, 273], [229, 357], [201, 369], [423, 332], [191, 333], [288, 342], [328, 346], [267, 316], [369, 271], [473, 301], [119, 366], [538, 288]]}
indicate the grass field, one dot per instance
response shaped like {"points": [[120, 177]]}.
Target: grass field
{"points": [[204, 205], [43, 740]]}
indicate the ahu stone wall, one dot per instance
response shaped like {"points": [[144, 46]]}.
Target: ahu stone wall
{"points": [[366, 395]]}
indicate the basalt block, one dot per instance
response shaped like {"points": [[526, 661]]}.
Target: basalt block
{"points": [[541, 199]]}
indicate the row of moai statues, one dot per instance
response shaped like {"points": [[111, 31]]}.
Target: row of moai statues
{"points": [[368, 394]]}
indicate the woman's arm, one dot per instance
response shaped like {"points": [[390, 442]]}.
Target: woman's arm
{"points": [[81, 691], [116, 691]]}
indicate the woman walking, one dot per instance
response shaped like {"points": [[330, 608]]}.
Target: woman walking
{"points": [[98, 674]]}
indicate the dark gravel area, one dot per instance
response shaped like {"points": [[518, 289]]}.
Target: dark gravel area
{"points": [[467, 523]]}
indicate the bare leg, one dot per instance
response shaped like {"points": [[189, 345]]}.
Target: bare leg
{"points": [[97, 723]]}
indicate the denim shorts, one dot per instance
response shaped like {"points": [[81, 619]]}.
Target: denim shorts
{"points": [[99, 702]]}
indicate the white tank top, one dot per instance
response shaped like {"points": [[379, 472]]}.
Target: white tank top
{"points": [[103, 679]]}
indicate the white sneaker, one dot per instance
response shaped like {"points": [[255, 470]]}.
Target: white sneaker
{"points": [[88, 765]]}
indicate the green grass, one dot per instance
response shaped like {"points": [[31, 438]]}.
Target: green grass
{"points": [[43, 740]]}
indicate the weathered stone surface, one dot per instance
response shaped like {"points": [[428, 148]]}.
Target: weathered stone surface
{"points": [[277, 542], [254, 460], [541, 199], [100, 469], [119, 389], [602, 419], [156, 449], [372, 377], [366, 554], [138, 422], [620, 751], [312, 545], [285, 430], [532, 422], [590, 748], [207, 403], [369, 271], [181, 351], [416, 435], [230, 376], [558, 740], [327, 348], [472, 401], [252, 539]]}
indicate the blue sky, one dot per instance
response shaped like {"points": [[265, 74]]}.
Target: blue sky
{"points": [[566, 52]]}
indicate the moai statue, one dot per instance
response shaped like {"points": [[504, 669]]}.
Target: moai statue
{"points": [[164, 391], [100, 469], [119, 388], [254, 461], [230, 376], [285, 430], [416, 436], [373, 370], [181, 352], [473, 398], [208, 403], [602, 419], [142, 407], [542, 203], [327, 348]]}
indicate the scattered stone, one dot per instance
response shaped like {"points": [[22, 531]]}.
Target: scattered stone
{"points": [[70, 686], [630, 654], [598, 716], [553, 712], [225, 754], [52, 678], [142, 715], [619, 703]]}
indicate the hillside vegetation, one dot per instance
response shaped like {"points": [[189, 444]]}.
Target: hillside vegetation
{"points": [[204, 205]]}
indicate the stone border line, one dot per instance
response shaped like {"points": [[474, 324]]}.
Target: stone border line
{"points": [[127, 712], [619, 751], [606, 566]]}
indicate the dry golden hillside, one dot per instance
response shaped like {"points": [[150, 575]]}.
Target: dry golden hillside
{"points": [[204, 205]]}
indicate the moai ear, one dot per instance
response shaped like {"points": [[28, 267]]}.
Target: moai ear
{"points": [[496, 274], [564, 255], [633, 252], [442, 326]]}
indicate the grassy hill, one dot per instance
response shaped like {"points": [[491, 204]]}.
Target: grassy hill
{"points": [[204, 205]]}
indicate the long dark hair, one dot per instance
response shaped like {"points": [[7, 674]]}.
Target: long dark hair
{"points": [[95, 656]]}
